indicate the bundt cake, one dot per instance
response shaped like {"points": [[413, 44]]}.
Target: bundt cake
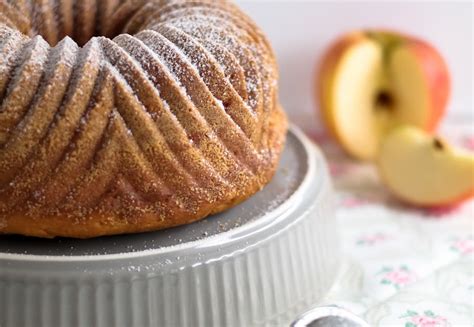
{"points": [[122, 116]]}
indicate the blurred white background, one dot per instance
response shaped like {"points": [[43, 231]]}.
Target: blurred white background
{"points": [[301, 30]]}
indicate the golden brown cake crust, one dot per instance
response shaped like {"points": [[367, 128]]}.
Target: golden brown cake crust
{"points": [[169, 116]]}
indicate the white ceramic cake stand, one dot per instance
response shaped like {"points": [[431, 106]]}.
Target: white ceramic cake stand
{"points": [[260, 263]]}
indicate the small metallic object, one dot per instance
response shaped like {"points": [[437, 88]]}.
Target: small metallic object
{"points": [[329, 316]]}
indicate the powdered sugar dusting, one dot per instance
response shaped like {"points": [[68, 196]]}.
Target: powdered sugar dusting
{"points": [[147, 130]]}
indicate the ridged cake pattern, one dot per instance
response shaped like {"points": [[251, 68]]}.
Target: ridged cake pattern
{"points": [[169, 115]]}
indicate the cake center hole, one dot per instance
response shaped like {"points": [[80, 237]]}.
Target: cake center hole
{"points": [[83, 26]]}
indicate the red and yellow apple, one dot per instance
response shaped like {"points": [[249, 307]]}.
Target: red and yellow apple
{"points": [[425, 170], [371, 81]]}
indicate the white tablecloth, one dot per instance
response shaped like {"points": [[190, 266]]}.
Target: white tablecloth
{"points": [[403, 266]]}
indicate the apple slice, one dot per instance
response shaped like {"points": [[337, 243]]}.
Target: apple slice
{"points": [[372, 81], [424, 170]]}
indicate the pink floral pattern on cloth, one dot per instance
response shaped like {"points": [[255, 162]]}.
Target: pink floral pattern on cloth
{"points": [[372, 239], [351, 202], [397, 256], [463, 245], [397, 277], [426, 319]]}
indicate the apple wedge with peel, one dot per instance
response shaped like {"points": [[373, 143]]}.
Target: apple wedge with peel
{"points": [[424, 170], [372, 81]]}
